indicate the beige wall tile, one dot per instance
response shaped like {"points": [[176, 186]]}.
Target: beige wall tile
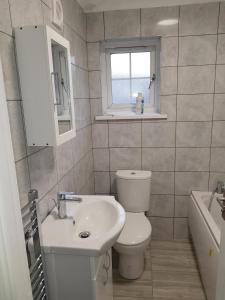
{"points": [[162, 183], [9, 67], [67, 183], [96, 108], [95, 27], [43, 170], [222, 18], [64, 158], [5, 21], [162, 228], [192, 159], [82, 113], [95, 84], [196, 79], [122, 23], [160, 134], [168, 81], [185, 182], [25, 12], [113, 189], [102, 183], [221, 49], [158, 159], [125, 158], [151, 18], [100, 135], [161, 206], [74, 17], [199, 19], [82, 143], [219, 107], [125, 135], [168, 106], [80, 83], [220, 79], [218, 134], [78, 47], [181, 206], [23, 180], [169, 51], [17, 129], [197, 50], [193, 134], [194, 107], [217, 162], [93, 56], [101, 159], [46, 204]]}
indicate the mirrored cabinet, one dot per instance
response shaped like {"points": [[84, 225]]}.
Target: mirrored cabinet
{"points": [[43, 58]]}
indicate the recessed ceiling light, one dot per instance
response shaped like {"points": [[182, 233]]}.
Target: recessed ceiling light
{"points": [[168, 22]]}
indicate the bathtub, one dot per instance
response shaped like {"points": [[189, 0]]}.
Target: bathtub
{"points": [[205, 228]]}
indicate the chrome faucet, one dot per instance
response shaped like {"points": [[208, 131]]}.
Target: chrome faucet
{"points": [[62, 198], [220, 187], [219, 190]]}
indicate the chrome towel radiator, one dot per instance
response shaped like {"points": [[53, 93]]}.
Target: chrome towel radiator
{"points": [[33, 247]]}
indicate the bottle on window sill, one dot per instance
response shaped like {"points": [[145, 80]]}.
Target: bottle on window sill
{"points": [[142, 106], [139, 104]]}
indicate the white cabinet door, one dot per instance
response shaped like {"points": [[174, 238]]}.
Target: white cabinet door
{"points": [[103, 283], [220, 295]]}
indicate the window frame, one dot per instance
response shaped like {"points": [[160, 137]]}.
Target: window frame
{"points": [[129, 46]]}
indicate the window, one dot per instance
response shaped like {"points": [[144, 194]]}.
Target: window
{"points": [[129, 68]]}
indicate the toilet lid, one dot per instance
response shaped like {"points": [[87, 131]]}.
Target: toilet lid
{"points": [[134, 174], [136, 230]]}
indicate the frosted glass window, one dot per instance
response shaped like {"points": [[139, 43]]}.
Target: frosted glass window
{"points": [[130, 75], [121, 91], [140, 63], [140, 86], [120, 65]]}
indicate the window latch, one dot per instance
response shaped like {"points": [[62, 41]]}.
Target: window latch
{"points": [[152, 79]]}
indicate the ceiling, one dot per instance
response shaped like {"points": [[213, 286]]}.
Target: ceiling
{"points": [[103, 5]]}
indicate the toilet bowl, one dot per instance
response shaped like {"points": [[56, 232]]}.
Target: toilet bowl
{"points": [[133, 188], [132, 243]]}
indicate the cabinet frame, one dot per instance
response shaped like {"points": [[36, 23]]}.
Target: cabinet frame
{"points": [[35, 66]]}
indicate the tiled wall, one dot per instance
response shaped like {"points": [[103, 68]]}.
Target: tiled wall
{"points": [[70, 166], [187, 151]]}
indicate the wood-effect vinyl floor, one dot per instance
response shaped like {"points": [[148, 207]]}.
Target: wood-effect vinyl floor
{"points": [[171, 273]]}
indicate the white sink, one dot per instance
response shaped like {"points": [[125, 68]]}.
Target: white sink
{"points": [[102, 216]]}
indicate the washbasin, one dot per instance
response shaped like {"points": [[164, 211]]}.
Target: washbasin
{"points": [[91, 227]]}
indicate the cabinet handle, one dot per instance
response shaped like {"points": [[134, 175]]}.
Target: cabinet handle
{"points": [[107, 276], [107, 262]]}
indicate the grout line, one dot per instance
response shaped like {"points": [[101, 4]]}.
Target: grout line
{"points": [[175, 158], [214, 88], [103, 24], [140, 22]]}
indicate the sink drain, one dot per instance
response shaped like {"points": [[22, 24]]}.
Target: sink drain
{"points": [[84, 234]]}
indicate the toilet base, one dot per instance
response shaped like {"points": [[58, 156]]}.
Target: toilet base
{"points": [[131, 266]]}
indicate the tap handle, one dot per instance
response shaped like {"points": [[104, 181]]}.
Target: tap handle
{"points": [[64, 195]]}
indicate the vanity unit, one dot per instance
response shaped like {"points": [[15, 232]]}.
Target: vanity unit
{"points": [[77, 248], [44, 65]]}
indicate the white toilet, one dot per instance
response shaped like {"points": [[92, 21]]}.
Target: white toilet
{"points": [[133, 189]]}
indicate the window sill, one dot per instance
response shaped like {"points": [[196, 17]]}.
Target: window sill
{"points": [[131, 116]]}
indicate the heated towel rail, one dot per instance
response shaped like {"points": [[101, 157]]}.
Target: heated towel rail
{"points": [[33, 247]]}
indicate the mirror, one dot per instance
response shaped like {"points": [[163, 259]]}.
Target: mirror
{"points": [[60, 76]]}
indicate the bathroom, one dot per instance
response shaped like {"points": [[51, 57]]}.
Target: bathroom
{"points": [[179, 140]]}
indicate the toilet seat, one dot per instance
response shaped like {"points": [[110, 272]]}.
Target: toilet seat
{"points": [[137, 229]]}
